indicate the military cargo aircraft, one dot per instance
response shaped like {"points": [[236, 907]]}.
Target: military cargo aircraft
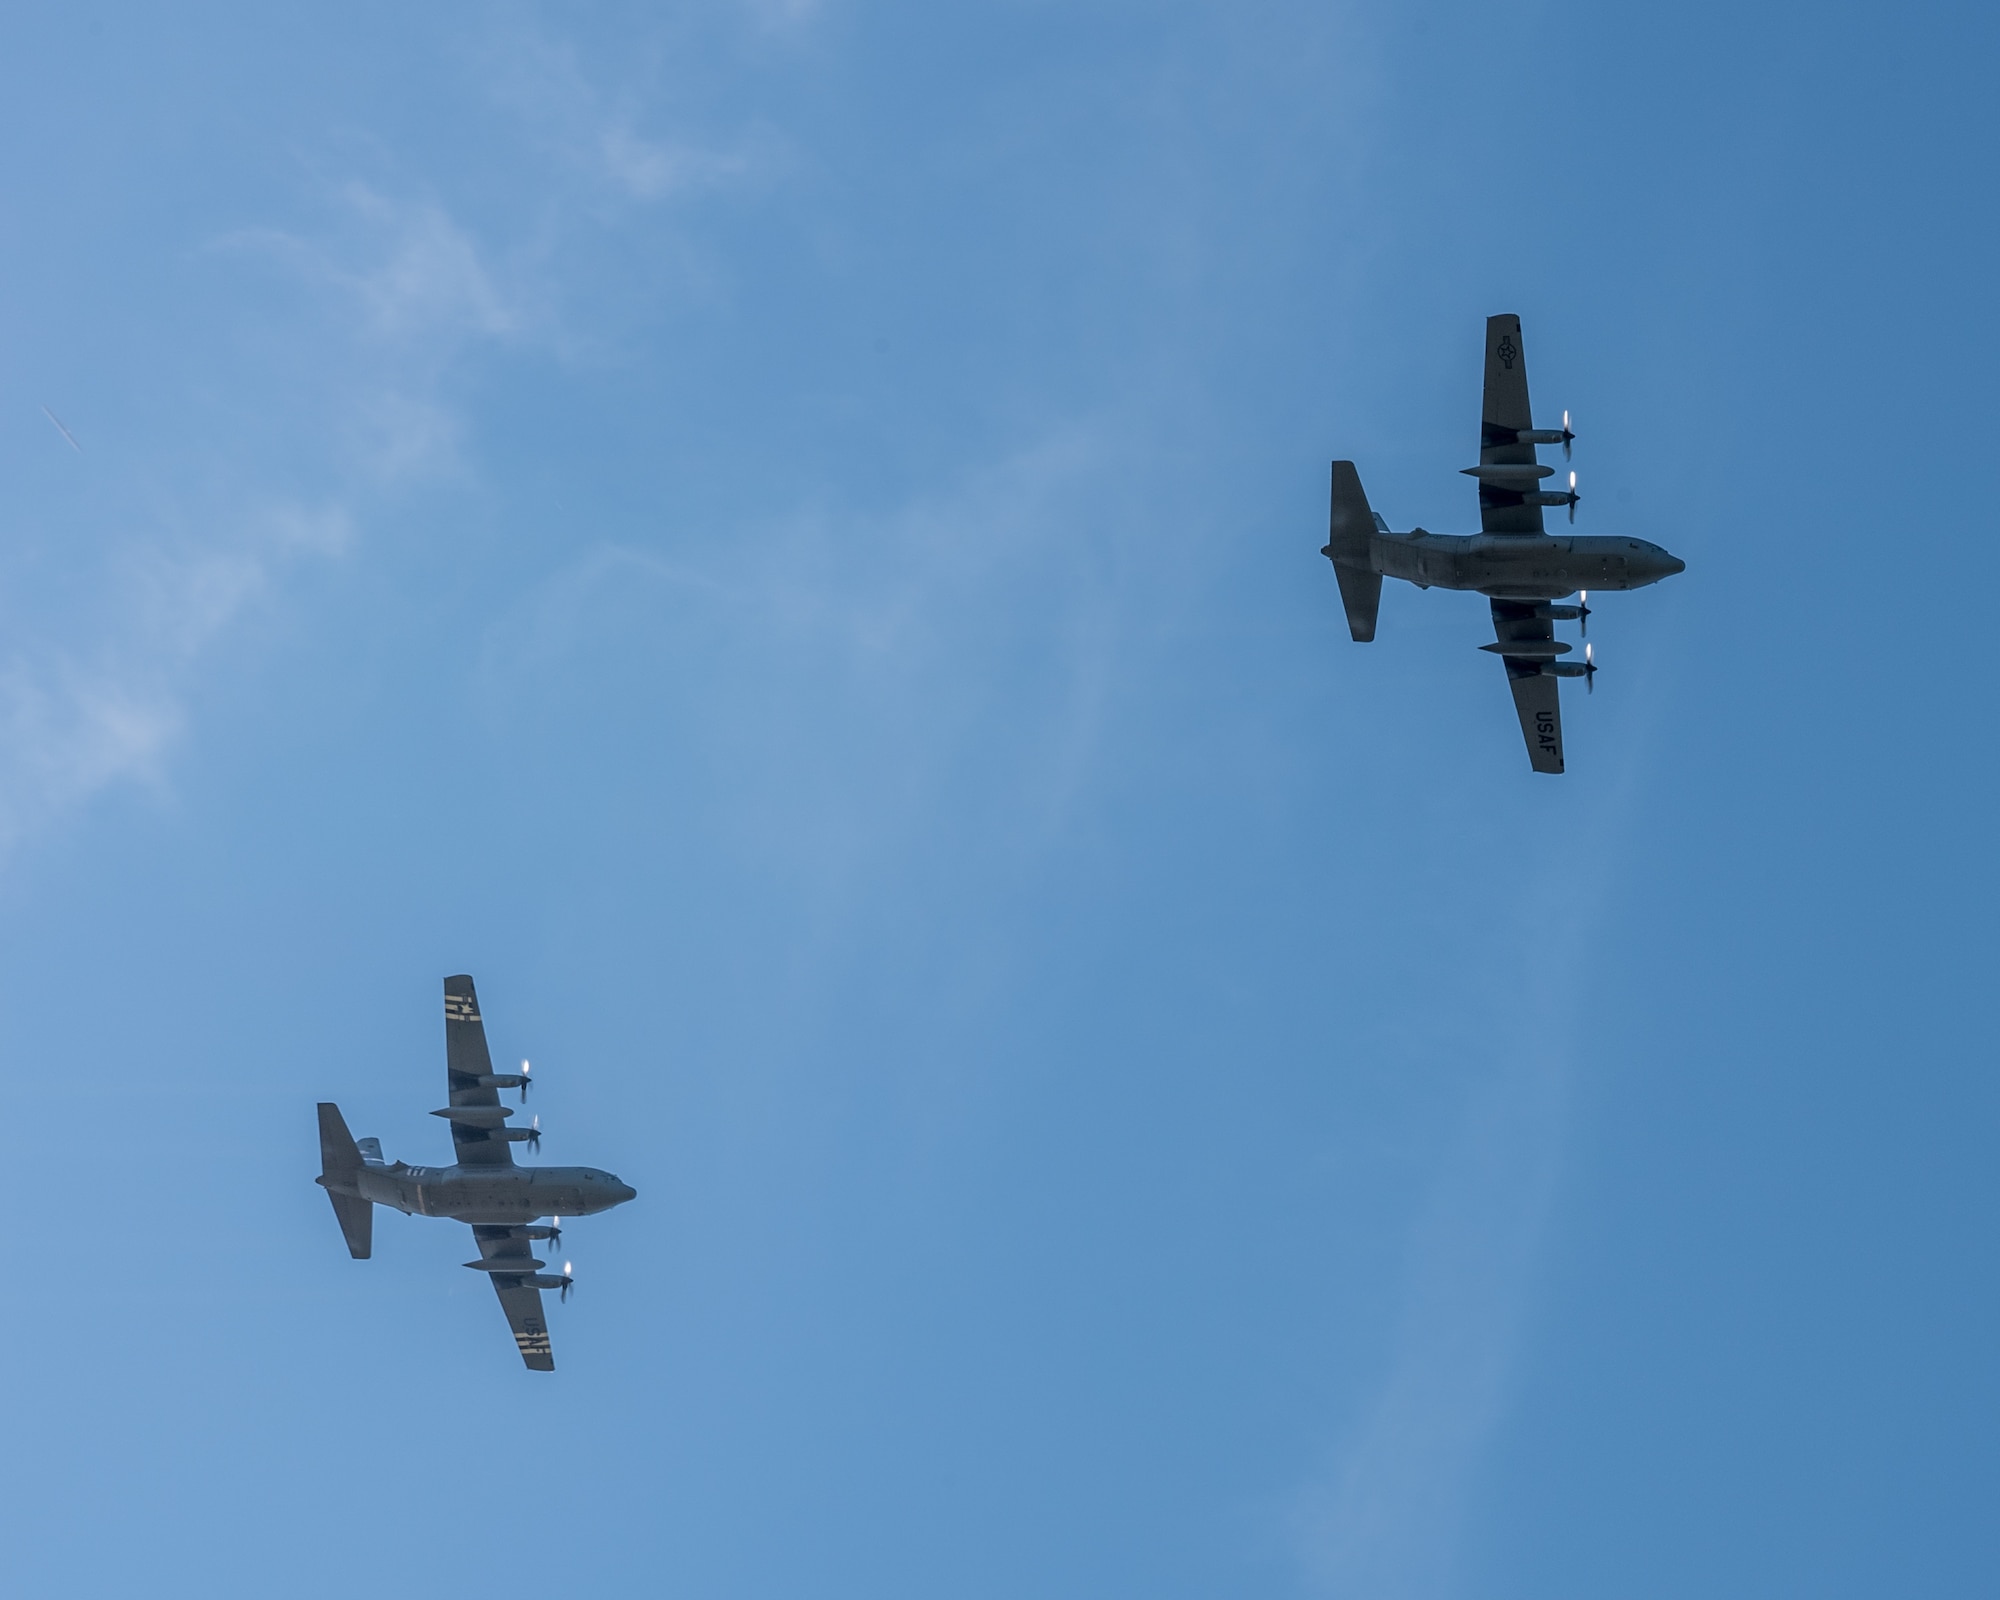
{"points": [[1512, 560], [503, 1202]]}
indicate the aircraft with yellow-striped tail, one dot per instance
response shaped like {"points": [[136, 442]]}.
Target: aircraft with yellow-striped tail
{"points": [[503, 1203]]}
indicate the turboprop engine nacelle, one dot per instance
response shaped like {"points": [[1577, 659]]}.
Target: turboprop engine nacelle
{"points": [[491, 1119], [1528, 649], [1508, 473], [475, 1116], [1496, 434]]}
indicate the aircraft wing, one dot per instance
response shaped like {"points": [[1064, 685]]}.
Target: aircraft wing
{"points": [[521, 1302], [1535, 696], [1503, 414], [466, 1062]]}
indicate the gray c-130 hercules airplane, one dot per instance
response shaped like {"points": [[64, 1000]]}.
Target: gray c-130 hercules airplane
{"points": [[503, 1202], [1512, 560]]}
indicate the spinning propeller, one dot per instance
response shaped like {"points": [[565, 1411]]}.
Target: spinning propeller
{"points": [[524, 1082], [1589, 687], [1573, 497], [535, 1135], [1568, 439], [1583, 611], [568, 1277]]}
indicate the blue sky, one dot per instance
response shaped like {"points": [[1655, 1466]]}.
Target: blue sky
{"points": [[783, 537]]}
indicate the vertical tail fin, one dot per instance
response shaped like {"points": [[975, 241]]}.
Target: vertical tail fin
{"points": [[1350, 539], [340, 1163]]}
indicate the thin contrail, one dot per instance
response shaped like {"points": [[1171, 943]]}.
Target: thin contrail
{"points": [[62, 430]]}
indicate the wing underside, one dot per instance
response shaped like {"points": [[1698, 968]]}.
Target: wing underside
{"points": [[1503, 506], [520, 1300], [1535, 689], [466, 1062]]}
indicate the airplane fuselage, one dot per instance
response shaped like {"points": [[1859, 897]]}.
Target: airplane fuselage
{"points": [[1522, 566], [491, 1194]]}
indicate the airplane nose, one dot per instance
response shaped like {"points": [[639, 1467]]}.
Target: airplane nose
{"points": [[1673, 564], [626, 1192]]}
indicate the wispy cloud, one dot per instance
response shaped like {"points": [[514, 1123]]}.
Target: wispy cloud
{"points": [[79, 717], [427, 279], [868, 649], [783, 16], [651, 169], [612, 135], [347, 389], [1386, 1522], [399, 292], [395, 292], [1385, 1525]]}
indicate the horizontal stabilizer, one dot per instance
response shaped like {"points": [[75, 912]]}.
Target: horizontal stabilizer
{"points": [[1361, 595], [339, 1156], [1350, 545], [357, 1223], [1350, 524]]}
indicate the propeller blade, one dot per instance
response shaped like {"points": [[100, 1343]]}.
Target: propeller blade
{"points": [[1583, 612], [535, 1135], [1572, 497], [569, 1279], [524, 1082], [1567, 437], [1589, 672]]}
